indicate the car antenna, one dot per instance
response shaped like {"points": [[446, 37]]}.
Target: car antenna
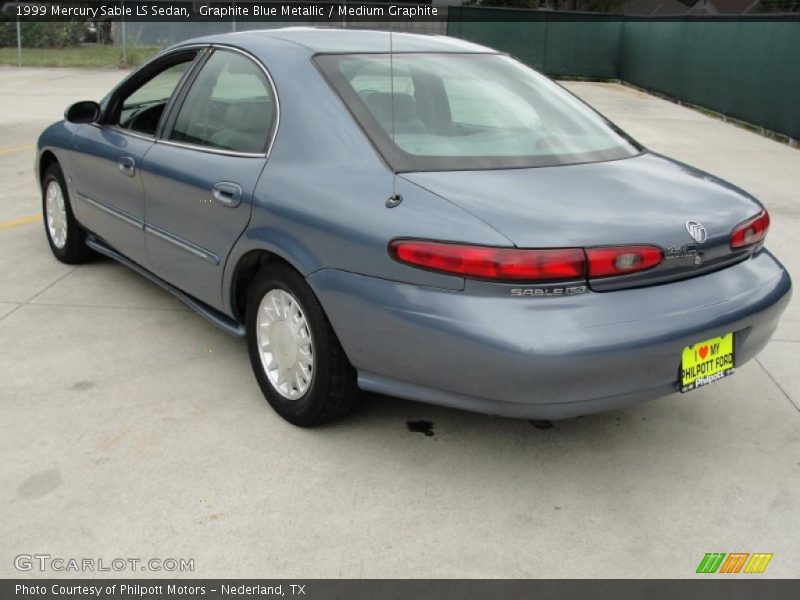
{"points": [[395, 199]]}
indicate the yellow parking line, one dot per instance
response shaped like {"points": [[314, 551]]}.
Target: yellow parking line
{"points": [[7, 151], [20, 221]]}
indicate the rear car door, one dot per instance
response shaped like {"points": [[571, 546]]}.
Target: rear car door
{"points": [[107, 171], [199, 178]]}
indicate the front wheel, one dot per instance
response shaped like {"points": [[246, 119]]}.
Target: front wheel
{"points": [[66, 237], [296, 357]]}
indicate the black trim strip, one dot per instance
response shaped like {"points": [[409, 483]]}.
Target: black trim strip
{"points": [[215, 317]]}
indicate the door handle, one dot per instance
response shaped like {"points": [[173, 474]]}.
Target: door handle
{"points": [[127, 166], [227, 194]]}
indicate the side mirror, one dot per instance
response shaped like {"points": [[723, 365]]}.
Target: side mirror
{"points": [[86, 111]]}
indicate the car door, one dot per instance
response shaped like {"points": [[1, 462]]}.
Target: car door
{"points": [[199, 178], [107, 170]]}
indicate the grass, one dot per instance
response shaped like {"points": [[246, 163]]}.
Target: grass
{"points": [[90, 56]]}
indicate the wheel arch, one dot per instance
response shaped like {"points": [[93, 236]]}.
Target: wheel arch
{"points": [[256, 248], [46, 159], [246, 269]]}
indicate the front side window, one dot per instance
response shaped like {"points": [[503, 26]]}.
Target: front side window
{"points": [[230, 106], [430, 112], [142, 108]]}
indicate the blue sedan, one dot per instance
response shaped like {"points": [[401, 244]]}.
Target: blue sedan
{"points": [[415, 216]]}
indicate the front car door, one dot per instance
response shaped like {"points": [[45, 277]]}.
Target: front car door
{"points": [[200, 176], [107, 173]]}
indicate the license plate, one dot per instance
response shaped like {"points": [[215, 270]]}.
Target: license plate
{"points": [[706, 362]]}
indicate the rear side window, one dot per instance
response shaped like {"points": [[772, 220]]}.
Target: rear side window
{"points": [[230, 106]]}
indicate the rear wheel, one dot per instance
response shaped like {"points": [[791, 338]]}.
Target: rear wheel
{"points": [[66, 237], [296, 357]]}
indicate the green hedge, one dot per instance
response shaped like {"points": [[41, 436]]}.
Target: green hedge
{"points": [[42, 35]]}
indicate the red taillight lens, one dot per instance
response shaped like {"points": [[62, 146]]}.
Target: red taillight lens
{"points": [[751, 231], [482, 262], [621, 260]]}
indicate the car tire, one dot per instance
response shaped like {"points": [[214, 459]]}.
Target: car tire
{"points": [[66, 237], [296, 357]]}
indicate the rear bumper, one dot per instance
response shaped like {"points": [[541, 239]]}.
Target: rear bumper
{"points": [[549, 358]]}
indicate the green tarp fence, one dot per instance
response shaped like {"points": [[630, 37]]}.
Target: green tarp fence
{"points": [[745, 68]]}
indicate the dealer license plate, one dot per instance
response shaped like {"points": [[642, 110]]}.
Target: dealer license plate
{"points": [[706, 362]]}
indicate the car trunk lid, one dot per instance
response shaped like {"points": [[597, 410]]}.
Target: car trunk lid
{"points": [[647, 199]]}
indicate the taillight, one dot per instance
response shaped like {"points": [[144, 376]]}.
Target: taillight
{"points": [[751, 231], [609, 261], [483, 262]]}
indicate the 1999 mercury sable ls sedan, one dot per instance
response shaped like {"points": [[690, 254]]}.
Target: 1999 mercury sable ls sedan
{"points": [[416, 216]]}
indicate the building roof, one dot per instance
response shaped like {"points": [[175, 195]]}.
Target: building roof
{"points": [[724, 7], [653, 8]]}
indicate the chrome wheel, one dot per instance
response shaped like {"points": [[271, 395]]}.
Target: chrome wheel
{"points": [[56, 214], [285, 344]]}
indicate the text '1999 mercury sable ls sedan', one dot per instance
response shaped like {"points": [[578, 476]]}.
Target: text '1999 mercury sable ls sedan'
{"points": [[416, 216]]}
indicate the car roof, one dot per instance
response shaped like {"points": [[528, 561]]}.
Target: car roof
{"points": [[323, 40]]}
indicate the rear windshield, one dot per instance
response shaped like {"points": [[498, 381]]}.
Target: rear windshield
{"points": [[469, 111]]}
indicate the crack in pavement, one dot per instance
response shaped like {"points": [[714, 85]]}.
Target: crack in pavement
{"points": [[778, 385], [40, 292], [12, 311], [30, 301], [111, 306]]}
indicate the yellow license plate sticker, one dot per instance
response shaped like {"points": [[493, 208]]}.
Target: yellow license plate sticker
{"points": [[706, 362]]}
